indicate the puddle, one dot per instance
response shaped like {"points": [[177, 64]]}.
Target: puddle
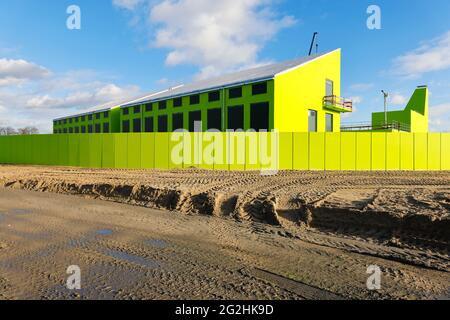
{"points": [[145, 262], [104, 232], [20, 211], [160, 244]]}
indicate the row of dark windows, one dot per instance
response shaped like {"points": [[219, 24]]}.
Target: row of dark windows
{"points": [[97, 128], [233, 93], [81, 118], [259, 120]]}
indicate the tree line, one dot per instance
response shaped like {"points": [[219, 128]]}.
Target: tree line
{"points": [[9, 131]]}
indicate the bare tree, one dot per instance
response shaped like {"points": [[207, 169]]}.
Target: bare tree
{"points": [[28, 131], [7, 131]]}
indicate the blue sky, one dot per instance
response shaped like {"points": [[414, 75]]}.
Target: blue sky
{"points": [[129, 47]]}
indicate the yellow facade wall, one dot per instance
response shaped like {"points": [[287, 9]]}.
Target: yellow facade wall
{"points": [[304, 88]]}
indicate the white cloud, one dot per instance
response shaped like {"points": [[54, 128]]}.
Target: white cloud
{"points": [[216, 36], [32, 95], [398, 100], [15, 72], [433, 55], [127, 4], [440, 117], [83, 99]]}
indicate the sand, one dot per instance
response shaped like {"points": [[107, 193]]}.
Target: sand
{"points": [[223, 235]]}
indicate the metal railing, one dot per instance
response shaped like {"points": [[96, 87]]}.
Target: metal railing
{"points": [[368, 126], [335, 101]]}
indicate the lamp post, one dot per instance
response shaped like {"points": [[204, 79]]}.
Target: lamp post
{"points": [[386, 96]]}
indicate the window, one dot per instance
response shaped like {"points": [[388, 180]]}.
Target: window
{"points": [[90, 117], [97, 116], [194, 118], [259, 88], [106, 114], [126, 126], [259, 116], [137, 125], [148, 107], [70, 130], [235, 93], [214, 96], [328, 122], [83, 118], [106, 127], [70, 120], [162, 124], [65, 130], [329, 91], [137, 109], [177, 121], [77, 119], [65, 121], [77, 129], [195, 99], [162, 105], [83, 129], [214, 119], [312, 121], [97, 128], [236, 118], [125, 111], [149, 124], [178, 102]]}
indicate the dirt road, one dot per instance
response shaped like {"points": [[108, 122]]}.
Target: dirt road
{"points": [[130, 252]]}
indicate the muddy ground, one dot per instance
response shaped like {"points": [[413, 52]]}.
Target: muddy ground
{"points": [[223, 235]]}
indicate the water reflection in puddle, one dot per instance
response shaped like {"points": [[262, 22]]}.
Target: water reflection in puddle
{"points": [[20, 211], [145, 262], [104, 232], [160, 244]]}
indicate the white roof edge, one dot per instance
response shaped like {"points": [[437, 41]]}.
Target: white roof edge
{"points": [[305, 63]]}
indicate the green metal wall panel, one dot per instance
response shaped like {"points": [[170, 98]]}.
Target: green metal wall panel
{"points": [[378, 151], [108, 156], [406, 151], [134, 151], [237, 151], [207, 151], [363, 151], [393, 151], [332, 151], [148, 151], [84, 151], [301, 151], [286, 151], [348, 151], [63, 150], [445, 151], [420, 151], [95, 150], [74, 150], [434, 151], [220, 158], [120, 147], [161, 150], [317, 151]]}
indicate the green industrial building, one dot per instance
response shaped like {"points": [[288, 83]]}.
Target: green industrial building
{"points": [[295, 96]]}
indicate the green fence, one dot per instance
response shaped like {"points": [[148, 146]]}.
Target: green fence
{"points": [[294, 151]]}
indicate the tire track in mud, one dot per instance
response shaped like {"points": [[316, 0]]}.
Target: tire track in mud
{"points": [[315, 200]]}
